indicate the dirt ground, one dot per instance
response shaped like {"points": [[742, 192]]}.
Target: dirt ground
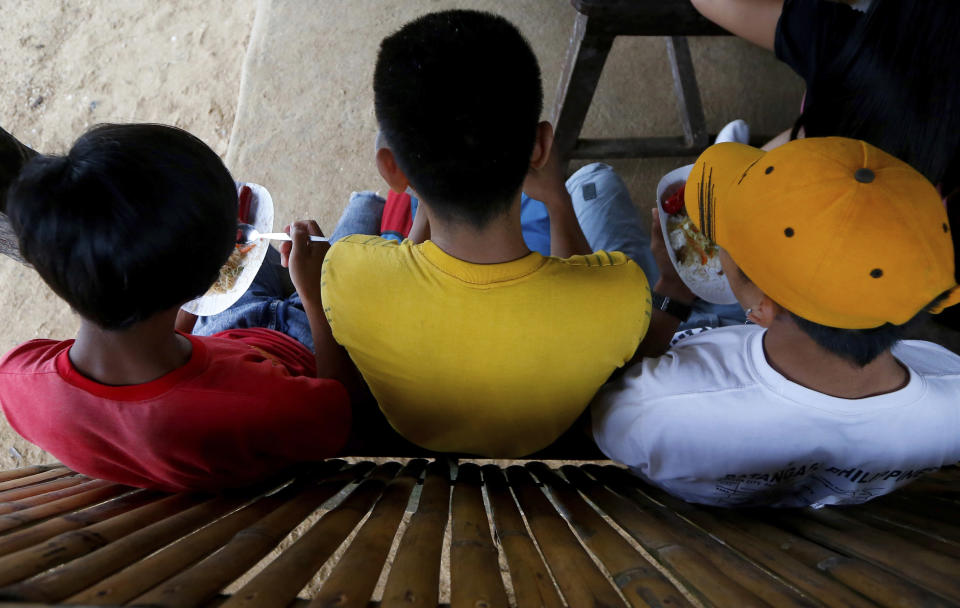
{"points": [[70, 64]]}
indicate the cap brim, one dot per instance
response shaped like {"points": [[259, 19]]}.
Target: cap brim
{"points": [[720, 167]]}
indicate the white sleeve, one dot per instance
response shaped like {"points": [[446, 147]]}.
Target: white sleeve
{"points": [[616, 413]]}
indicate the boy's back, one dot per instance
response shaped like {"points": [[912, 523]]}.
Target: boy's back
{"points": [[206, 425], [494, 359]]}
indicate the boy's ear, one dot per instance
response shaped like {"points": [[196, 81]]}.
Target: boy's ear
{"points": [[542, 145], [390, 171], [765, 311]]}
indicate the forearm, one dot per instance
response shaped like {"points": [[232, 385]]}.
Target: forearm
{"points": [[663, 326], [753, 20], [332, 360], [566, 236], [185, 321], [420, 231]]}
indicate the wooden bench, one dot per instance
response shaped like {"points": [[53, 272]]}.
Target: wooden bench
{"points": [[531, 535]]}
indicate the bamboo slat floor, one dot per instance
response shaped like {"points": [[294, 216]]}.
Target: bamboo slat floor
{"points": [[531, 535]]}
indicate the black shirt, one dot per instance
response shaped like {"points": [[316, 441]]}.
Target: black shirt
{"points": [[811, 33]]}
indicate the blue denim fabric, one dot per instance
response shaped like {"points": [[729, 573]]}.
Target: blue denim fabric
{"points": [[608, 217], [266, 303]]}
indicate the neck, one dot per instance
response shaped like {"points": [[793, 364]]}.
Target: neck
{"points": [[796, 356], [139, 354], [501, 240]]}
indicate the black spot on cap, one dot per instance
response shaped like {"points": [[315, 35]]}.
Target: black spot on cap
{"points": [[769, 170], [876, 273], [945, 227], [788, 232], [864, 175]]}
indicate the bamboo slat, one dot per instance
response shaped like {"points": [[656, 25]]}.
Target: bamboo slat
{"points": [[6, 476], [65, 504], [81, 573], [877, 584], [474, 566], [21, 539], [913, 521], [808, 579], [533, 585], [40, 489], [414, 579], [202, 581], [353, 579], [278, 584], [933, 538], [580, 581], [698, 575], [74, 487], [638, 580], [41, 474], [930, 509], [751, 576], [930, 570], [148, 573], [33, 560]]}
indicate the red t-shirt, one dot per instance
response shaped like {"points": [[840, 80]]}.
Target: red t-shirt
{"points": [[244, 406]]}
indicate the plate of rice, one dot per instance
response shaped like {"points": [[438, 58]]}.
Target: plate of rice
{"points": [[243, 264], [696, 259]]}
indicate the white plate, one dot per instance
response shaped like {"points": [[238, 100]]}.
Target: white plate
{"points": [[261, 207], [714, 288]]}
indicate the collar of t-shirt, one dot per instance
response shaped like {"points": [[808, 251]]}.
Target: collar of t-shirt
{"points": [[480, 274], [135, 392], [779, 384]]}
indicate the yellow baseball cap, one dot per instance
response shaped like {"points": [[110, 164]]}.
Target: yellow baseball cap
{"points": [[832, 229]]}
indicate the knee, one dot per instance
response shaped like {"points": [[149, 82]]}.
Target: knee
{"points": [[366, 199], [597, 184]]}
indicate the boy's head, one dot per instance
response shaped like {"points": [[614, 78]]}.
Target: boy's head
{"points": [[458, 96], [134, 220], [848, 240]]}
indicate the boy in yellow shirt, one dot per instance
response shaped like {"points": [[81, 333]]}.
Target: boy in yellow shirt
{"points": [[469, 341]]}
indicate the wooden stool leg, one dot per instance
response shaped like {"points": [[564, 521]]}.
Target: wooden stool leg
{"points": [[582, 67], [688, 93]]}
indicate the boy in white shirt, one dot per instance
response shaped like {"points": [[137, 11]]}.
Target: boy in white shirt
{"points": [[832, 246]]}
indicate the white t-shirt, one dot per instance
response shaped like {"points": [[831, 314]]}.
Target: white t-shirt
{"points": [[712, 422]]}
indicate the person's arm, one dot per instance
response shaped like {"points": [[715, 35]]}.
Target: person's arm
{"points": [[752, 20], [305, 260], [420, 231], [662, 325], [547, 185], [185, 321]]}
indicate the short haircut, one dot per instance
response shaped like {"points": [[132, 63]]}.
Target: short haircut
{"points": [[858, 346], [134, 220], [458, 96]]}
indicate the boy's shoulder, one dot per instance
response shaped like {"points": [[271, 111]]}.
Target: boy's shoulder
{"points": [[33, 356]]}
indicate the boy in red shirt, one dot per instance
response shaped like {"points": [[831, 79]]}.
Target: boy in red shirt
{"points": [[134, 221]]}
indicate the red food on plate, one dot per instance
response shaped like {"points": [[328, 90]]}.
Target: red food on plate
{"points": [[674, 203], [243, 204]]}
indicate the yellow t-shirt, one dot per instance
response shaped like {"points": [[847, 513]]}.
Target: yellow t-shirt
{"points": [[489, 359]]}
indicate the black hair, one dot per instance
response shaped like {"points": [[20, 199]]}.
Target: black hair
{"points": [[134, 220], [458, 96], [894, 85], [859, 346]]}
